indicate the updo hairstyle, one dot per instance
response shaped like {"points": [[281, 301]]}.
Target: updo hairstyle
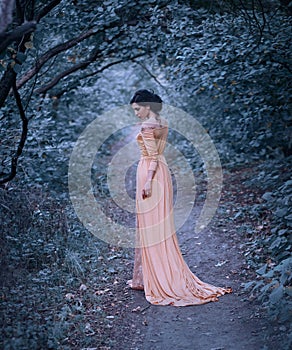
{"points": [[147, 98]]}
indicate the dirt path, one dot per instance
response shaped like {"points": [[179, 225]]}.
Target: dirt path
{"points": [[231, 323], [235, 322]]}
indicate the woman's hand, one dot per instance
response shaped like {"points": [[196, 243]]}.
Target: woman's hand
{"points": [[147, 190]]}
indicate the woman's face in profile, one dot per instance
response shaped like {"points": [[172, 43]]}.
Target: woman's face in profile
{"points": [[141, 112]]}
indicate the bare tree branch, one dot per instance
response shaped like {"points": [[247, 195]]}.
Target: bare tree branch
{"points": [[60, 48], [51, 53], [256, 20], [6, 83], [7, 38], [23, 137], [149, 72], [6, 9], [75, 84], [45, 10], [54, 81], [95, 53]]}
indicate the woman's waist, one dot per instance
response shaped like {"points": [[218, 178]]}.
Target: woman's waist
{"points": [[156, 157]]}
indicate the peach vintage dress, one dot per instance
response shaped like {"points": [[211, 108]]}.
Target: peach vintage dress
{"points": [[159, 265]]}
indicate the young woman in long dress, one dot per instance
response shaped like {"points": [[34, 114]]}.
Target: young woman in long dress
{"points": [[159, 268]]}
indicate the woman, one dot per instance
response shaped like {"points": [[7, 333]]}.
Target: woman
{"points": [[159, 268]]}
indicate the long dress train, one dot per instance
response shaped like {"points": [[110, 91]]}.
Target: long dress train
{"points": [[159, 267]]}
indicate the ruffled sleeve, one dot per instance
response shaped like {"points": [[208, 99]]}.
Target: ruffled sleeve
{"points": [[150, 145]]}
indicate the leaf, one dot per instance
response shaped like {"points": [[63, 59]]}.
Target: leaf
{"points": [[289, 217], [276, 295], [267, 196], [287, 184], [82, 287], [29, 45], [247, 285], [276, 243], [288, 290], [262, 270], [282, 232], [269, 274], [267, 288], [287, 264], [238, 214], [221, 263], [281, 212], [20, 57], [17, 68]]}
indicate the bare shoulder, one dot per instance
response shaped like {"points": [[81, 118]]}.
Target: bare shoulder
{"points": [[149, 125], [154, 124]]}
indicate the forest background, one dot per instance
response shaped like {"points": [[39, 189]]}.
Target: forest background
{"points": [[64, 63]]}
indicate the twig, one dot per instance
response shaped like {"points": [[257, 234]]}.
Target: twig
{"points": [[145, 308], [45, 10], [21, 144], [148, 71], [54, 81], [4, 206], [51, 53]]}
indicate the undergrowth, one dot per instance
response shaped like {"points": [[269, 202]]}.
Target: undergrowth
{"points": [[53, 273], [275, 271], [265, 216]]}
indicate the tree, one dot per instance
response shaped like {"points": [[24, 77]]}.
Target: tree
{"points": [[88, 37], [15, 57], [225, 51]]}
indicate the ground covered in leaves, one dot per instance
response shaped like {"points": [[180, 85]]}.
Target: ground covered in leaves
{"points": [[66, 290]]}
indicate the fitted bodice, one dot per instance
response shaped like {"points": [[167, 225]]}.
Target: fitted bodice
{"points": [[152, 141]]}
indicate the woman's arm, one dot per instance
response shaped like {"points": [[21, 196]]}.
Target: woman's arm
{"points": [[147, 131]]}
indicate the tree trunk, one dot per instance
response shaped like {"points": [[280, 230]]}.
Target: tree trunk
{"points": [[6, 9], [6, 84]]}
